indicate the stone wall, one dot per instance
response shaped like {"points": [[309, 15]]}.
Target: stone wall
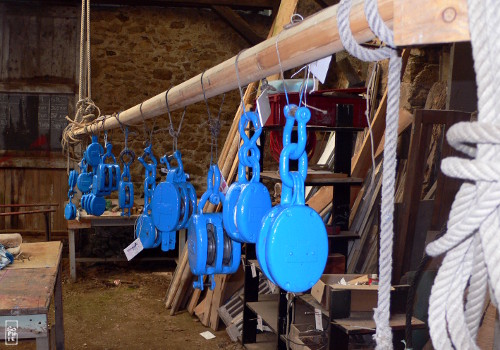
{"points": [[139, 52]]}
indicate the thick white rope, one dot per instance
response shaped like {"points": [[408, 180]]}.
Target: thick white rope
{"points": [[471, 243], [383, 335]]}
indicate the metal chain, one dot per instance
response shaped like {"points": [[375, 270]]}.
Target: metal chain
{"points": [[293, 187]]}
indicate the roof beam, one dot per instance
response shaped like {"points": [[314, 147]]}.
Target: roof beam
{"points": [[234, 4], [238, 24]]}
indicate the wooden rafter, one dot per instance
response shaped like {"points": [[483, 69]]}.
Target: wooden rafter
{"points": [[234, 4], [238, 24]]}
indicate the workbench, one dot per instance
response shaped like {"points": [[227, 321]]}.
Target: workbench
{"points": [[108, 219], [26, 290]]}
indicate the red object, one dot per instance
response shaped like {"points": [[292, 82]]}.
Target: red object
{"points": [[325, 100]]}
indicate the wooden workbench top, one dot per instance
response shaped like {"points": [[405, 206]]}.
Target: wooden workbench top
{"points": [[26, 285]]}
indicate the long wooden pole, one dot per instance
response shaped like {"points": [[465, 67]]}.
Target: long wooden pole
{"points": [[314, 38]]}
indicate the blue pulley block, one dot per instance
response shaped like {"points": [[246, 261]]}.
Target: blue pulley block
{"points": [[145, 228], [84, 180], [70, 211], [72, 178], [107, 176], [146, 231], [126, 187], [97, 205], [100, 182], [189, 204], [94, 152], [246, 202], [293, 236], [210, 250], [165, 206]]}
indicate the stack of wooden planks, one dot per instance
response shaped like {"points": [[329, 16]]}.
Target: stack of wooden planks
{"points": [[180, 293]]}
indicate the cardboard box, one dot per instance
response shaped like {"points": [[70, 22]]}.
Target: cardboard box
{"points": [[363, 297]]}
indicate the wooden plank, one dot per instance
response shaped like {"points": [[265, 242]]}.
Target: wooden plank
{"points": [[176, 278], [52, 160], [316, 179], [26, 291], [363, 323], [321, 198], [221, 281], [432, 21], [267, 308], [405, 225], [405, 120], [195, 297], [184, 284], [362, 162], [38, 255], [238, 24]]}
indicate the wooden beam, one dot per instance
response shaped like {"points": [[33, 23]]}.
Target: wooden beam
{"points": [[236, 4], [429, 21], [312, 39], [238, 24]]}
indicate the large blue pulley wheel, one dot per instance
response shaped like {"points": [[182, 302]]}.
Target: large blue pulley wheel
{"points": [[296, 248]]}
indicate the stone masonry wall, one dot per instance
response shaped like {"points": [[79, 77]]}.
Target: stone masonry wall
{"points": [[139, 52]]}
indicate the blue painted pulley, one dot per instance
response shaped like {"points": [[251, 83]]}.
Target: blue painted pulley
{"points": [[97, 205], [94, 152], [170, 200], [70, 211], [145, 228], [84, 180], [70, 208], [126, 187], [107, 176], [210, 250], [246, 202], [293, 236]]}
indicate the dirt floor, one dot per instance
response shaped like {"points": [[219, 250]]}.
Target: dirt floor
{"points": [[128, 314]]}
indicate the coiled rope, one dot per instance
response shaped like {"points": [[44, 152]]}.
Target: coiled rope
{"points": [[471, 243], [383, 335]]}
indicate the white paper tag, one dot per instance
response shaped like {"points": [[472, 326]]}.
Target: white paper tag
{"points": [[319, 320], [259, 323], [133, 249], [320, 67], [207, 335], [263, 107], [254, 271], [223, 185]]}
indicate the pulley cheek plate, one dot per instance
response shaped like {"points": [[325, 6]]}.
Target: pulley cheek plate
{"points": [[84, 182], [126, 194], [97, 205], [184, 206], [69, 211], [254, 202], [297, 248], [147, 231], [262, 237], [197, 245], [229, 210], [166, 206]]}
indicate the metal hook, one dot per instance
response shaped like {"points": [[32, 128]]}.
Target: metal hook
{"points": [[281, 67], [148, 132], [238, 78], [204, 95]]}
